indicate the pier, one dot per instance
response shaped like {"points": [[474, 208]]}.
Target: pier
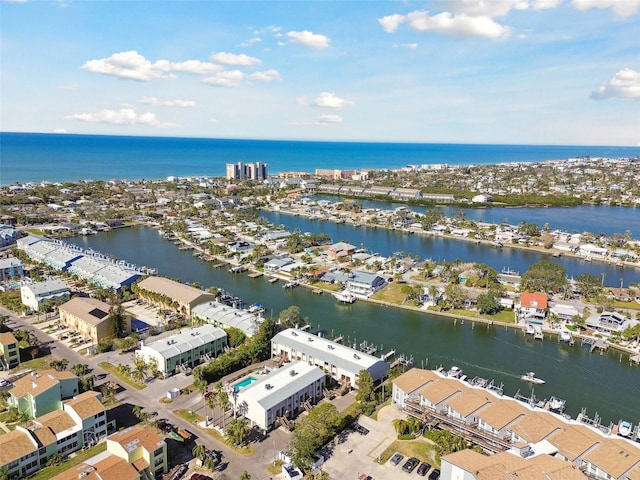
{"points": [[596, 344]]}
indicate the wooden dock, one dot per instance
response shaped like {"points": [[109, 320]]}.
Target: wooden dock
{"points": [[318, 291], [273, 279], [255, 275], [537, 334]]}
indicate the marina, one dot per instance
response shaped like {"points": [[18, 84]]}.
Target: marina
{"points": [[495, 352]]}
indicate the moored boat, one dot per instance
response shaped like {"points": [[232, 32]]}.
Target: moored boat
{"points": [[531, 377], [345, 297], [454, 372], [556, 404], [625, 428]]}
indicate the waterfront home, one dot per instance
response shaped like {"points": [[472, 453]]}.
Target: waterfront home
{"points": [[436, 395], [589, 251], [341, 362], [284, 392], [340, 250], [535, 427], [9, 351], [608, 323], [564, 312], [471, 465], [142, 447], [167, 293], [405, 194], [90, 318], [615, 460], [185, 349], [532, 306], [11, 269], [496, 419], [276, 264], [574, 442], [465, 406], [364, 283], [240, 246], [42, 391], [34, 295], [482, 198], [224, 316], [406, 387]]}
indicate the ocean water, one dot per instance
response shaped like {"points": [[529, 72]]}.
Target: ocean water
{"points": [[63, 157]]}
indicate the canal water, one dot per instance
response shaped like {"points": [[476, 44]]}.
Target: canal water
{"points": [[606, 384], [583, 218], [387, 242]]}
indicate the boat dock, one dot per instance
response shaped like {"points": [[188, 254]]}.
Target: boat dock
{"points": [[273, 279], [635, 359], [596, 344], [388, 355], [255, 275], [537, 333]]}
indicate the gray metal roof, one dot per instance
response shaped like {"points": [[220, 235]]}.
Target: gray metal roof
{"points": [[188, 339], [238, 318], [283, 383], [342, 356], [47, 287]]}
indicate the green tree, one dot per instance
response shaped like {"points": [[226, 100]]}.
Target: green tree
{"points": [[237, 432], [588, 285], [245, 476], [455, 295], [544, 276], [488, 303], [365, 386], [199, 452], [118, 317], [290, 318], [312, 432]]}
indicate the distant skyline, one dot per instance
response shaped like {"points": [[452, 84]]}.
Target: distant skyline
{"points": [[558, 72]]}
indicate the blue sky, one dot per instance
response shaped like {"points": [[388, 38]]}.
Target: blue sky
{"points": [[459, 71]]}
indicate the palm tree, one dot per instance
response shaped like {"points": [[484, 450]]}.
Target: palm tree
{"points": [[199, 452]]}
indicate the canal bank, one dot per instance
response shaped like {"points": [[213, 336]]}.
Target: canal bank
{"points": [[606, 383]]}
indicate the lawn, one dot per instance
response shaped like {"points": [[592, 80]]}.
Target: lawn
{"points": [[420, 448], [392, 293], [77, 458], [112, 369]]}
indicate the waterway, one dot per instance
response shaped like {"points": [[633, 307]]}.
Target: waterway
{"points": [[596, 219], [388, 242], [606, 384]]}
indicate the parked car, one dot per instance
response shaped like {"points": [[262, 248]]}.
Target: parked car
{"points": [[396, 459], [410, 465], [435, 475], [423, 469], [360, 429]]}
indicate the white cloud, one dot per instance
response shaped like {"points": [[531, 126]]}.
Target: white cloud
{"points": [[624, 84], [213, 120], [266, 76], [241, 60], [412, 46], [328, 119], [481, 8], [391, 22], [154, 102], [622, 8], [70, 87], [134, 66], [309, 39], [60, 130], [251, 42], [229, 78], [330, 100], [304, 101], [545, 4], [457, 25], [125, 116]]}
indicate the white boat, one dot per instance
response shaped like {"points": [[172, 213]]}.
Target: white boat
{"points": [[529, 329], [625, 428], [292, 284], [345, 297], [454, 372], [531, 377], [556, 404], [565, 336]]}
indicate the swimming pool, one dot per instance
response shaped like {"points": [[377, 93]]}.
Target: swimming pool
{"points": [[244, 383]]}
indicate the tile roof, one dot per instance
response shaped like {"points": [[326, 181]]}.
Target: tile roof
{"points": [[574, 441], [14, 445], [469, 401], [89, 310], [440, 390], [414, 379], [614, 457], [499, 415], [133, 437], [86, 404], [7, 338], [533, 300], [58, 421], [175, 290], [536, 426], [110, 468]]}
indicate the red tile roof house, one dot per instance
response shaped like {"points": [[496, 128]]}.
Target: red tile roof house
{"points": [[533, 306]]}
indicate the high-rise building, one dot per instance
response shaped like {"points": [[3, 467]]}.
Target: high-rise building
{"points": [[251, 171]]}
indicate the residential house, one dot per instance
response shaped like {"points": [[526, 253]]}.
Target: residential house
{"points": [[406, 386], [276, 264], [142, 447], [339, 361], [340, 250], [111, 467], [533, 307], [34, 295], [90, 318], [42, 391], [164, 292], [9, 351], [11, 269], [283, 392], [364, 283], [87, 411], [185, 349]]}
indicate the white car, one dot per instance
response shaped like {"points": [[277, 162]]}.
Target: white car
{"points": [[4, 383]]}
